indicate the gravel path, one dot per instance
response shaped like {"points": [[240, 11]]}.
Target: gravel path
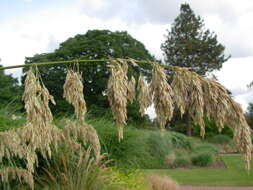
{"points": [[188, 187]]}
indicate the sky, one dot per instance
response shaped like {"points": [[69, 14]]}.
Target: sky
{"points": [[28, 27]]}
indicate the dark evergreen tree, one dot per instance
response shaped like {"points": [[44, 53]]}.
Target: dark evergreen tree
{"points": [[189, 44]]}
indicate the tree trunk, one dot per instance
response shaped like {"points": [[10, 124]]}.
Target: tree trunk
{"points": [[189, 125]]}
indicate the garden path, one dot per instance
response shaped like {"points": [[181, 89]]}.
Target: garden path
{"points": [[188, 187]]}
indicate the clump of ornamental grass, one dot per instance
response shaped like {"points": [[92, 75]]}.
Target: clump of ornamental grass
{"points": [[144, 97], [78, 171], [170, 159], [37, 134], [188, 95], [9, 173], [73, 93], [117, 92], [161, 93], [163, 183]]}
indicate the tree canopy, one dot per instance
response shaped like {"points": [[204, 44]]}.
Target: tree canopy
{"points": [[95, 44], [189, 44]]}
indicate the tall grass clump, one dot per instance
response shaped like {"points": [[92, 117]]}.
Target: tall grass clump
{"points": [[36, 139], [76, 170], [163, 183], [180, 141], [202, 159]]}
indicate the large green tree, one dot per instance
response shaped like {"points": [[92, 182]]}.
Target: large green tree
{"points": [[95, 44], [10, 93], [189, 44]]}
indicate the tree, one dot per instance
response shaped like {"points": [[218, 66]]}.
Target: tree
{"points": [[95, 44], [189, 44], [9, 91]]}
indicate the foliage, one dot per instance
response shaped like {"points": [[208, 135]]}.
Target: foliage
{"points": [[212, 130], [181, 141], [10, 119], [202, 159], [76, 170], [221, 139], [205, 147], [189, 44], [141, 148], [159, 145], [181, 161], [130, 153], [132, 179], [10, 91], [94, 44]]}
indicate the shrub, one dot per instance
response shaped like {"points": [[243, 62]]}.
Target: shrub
{"points": [[10, 119], [159, 145], [130, 179], [170, 159], [163, 183], [130, 152], [206, 147], [180, 141], [221, 139], [202, 159], [181, 161]]}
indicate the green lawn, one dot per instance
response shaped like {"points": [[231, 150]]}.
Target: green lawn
{"points": [[233, 175]]}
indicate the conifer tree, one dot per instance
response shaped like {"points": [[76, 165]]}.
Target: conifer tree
{"points": [[189, 44]]}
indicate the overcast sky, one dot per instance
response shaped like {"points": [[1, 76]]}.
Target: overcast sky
{"points": [[28, 27]]}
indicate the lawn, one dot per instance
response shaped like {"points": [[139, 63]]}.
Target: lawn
{"points": [[233, 175]]}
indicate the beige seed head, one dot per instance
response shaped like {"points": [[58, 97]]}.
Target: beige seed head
{"points": [[161, 93], [73, 92], [117, 89], [144, 97]]}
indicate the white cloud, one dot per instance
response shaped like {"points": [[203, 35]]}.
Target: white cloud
{"points": [[235, 75]]}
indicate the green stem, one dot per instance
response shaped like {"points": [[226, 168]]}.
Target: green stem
{"points": [[72, 61]]}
